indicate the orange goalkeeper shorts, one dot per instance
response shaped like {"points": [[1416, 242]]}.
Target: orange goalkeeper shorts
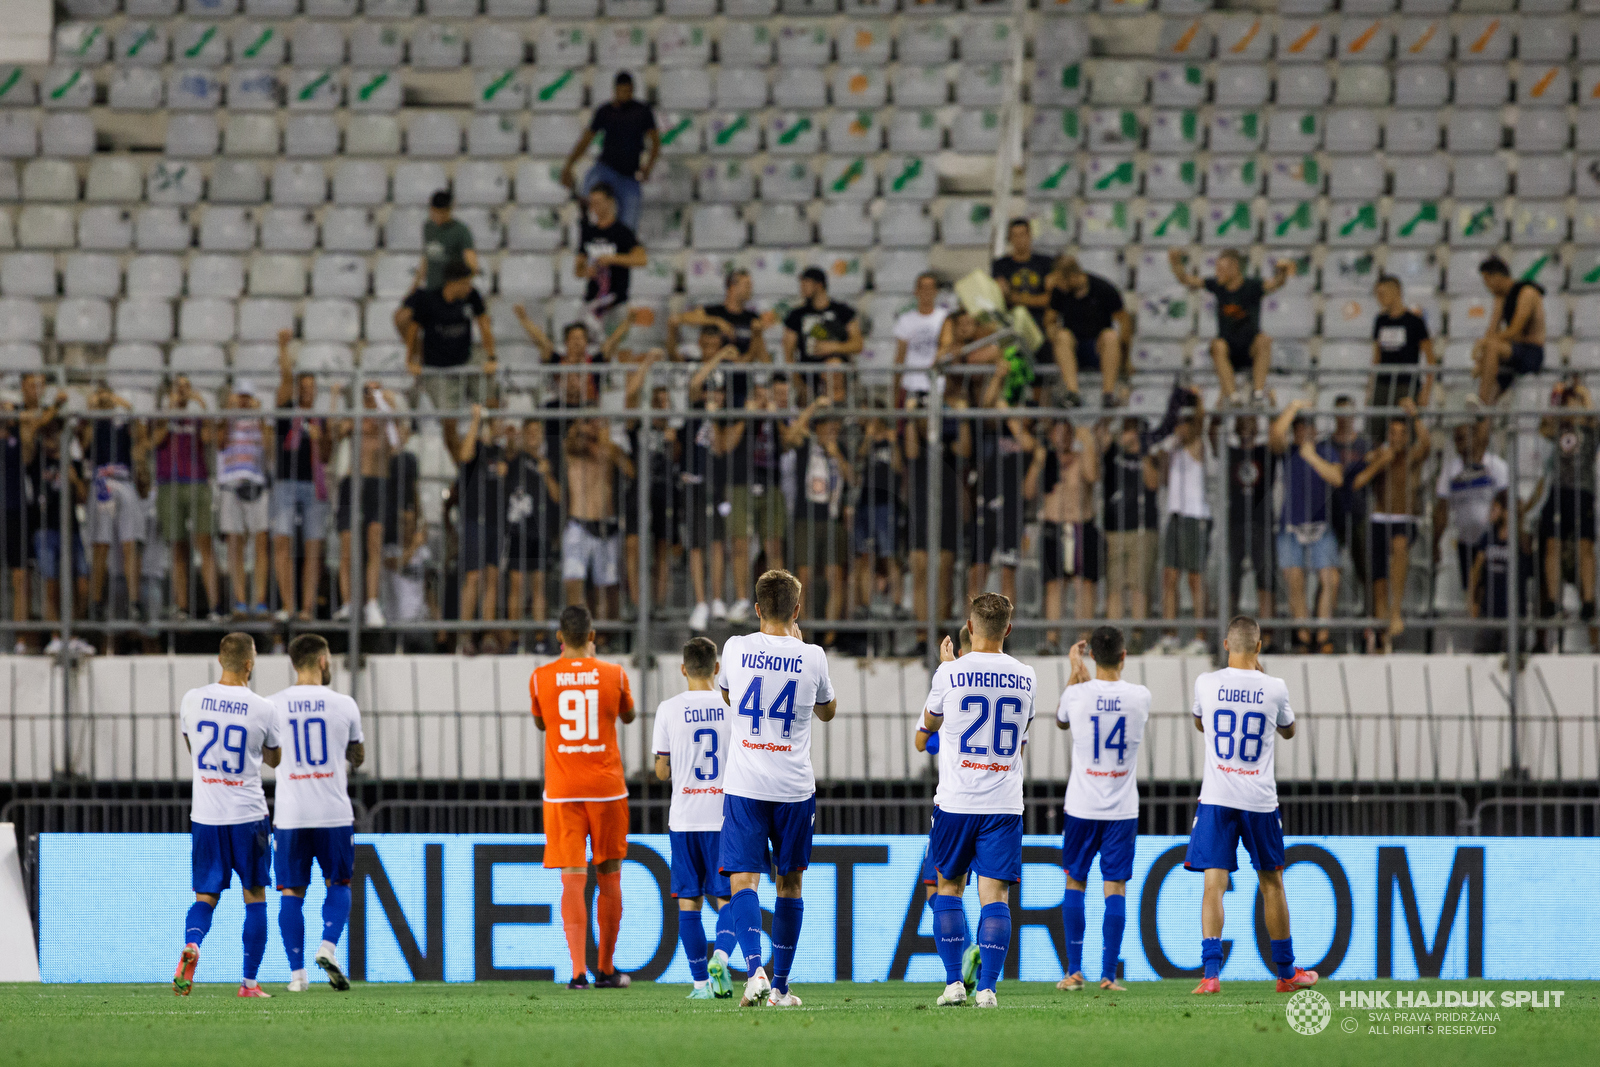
{"points": [[566, 825]]}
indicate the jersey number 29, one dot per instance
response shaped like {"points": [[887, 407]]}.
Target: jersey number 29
{"points": [[233, 740], [580, 714]]}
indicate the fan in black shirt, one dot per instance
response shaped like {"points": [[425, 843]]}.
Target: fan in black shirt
{"points": [[1239, 345], [482, 529], [626, 126], [1089, 328], [1023, 271], [740, 324], [1400, 337], [608, 251]]}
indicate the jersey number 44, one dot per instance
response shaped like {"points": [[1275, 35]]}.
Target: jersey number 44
{"points": [[781, 709]]}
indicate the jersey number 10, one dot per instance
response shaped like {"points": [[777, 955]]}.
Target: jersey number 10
{"points": [[580, 714], [308, 756]]}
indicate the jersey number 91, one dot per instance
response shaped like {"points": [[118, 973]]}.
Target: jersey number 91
{"points": [[580, 714]]}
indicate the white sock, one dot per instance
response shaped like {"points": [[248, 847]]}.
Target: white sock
{"points": [[298, 976], [250, 983], [329, 948], [699, 984], [720, 955]]}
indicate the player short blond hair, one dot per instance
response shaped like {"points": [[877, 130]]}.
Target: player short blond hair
{"points": [[777, 595], [1244, 633], [990, 615], [236, 652]]}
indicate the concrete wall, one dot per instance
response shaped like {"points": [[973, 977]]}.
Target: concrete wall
{"points": [[1402, 718]]}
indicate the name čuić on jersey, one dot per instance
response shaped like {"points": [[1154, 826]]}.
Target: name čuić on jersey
{"points": [[766, 661], [579, 749], [226, 707]]}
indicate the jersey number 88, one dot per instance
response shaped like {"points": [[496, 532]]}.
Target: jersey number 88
{"points": [[1246, 738]]}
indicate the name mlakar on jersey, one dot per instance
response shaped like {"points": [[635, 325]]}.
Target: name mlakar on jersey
{"points": [[227, 707], [566, 678], [990, 680], [762, 661]]}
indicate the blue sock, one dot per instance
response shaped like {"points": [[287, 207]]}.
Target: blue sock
{"points": [[994, 938], [1211, 956], [949, 934], [1072, 918], [692, 933], [198, 922], [787, 914], [1283, 957], [1111, 930], [255, 937], [727, 940], [746, 923], [292, 925], [335, 912]]}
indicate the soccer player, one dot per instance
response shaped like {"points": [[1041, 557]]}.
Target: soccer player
{"points": [[928, 741], [230, 732], [986, 704], [313, 815], [776, 684], [1239, 708], [691, 747], [1107, 717], [585, 795]]}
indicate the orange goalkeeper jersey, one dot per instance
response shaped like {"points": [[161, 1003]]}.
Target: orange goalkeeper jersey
{"points": [[579, 701]]}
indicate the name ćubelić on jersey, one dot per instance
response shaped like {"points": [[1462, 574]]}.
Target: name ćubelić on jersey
{"points": [[1241, 711], [1107, 720], [772, 685], [986, 699], [691, 730], [316, 725], [227, 726]]}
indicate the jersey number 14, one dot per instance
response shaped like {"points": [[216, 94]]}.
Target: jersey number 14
{"points": [[580, 714]]}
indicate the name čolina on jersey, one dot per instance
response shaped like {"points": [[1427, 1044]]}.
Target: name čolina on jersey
{"points": [[703, 714], [227, 707], [763, 661], [990, 680]]}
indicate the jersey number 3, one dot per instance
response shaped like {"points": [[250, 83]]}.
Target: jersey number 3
{"points": [[580, 714]]}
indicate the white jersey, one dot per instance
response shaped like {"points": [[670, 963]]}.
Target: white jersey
{"points": [[1241, 711], [986, 699], [227, 726], [1107, 721], [692, 732], [315, 724], [772, 683]]}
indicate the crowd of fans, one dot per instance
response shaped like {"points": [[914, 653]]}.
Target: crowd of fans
{"points": [[738, 458]]}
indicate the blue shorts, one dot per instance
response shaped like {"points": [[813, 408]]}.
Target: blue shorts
{"points": [[929, 875], [218, 851], [1214, 840], [290, 498], [695, 855], [750, 826], [333, 847], [1319, 555], [47, 550], [1112, 838], [989, 846]]}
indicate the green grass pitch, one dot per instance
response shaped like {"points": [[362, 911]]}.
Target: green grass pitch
{"points": [[858, 1025]]}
